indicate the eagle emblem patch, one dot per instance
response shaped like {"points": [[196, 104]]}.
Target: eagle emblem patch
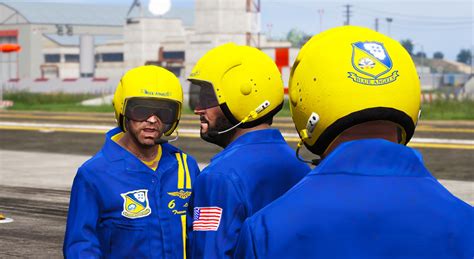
{"points": [[135, 204], [181, 194], [372, 61]]}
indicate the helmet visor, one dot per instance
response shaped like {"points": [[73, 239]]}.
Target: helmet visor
{"points": [[202, 95], [140, 109]]}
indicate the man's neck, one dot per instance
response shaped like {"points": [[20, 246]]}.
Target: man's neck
{"points": [[144, 153], [241, 131], [368, 130]]}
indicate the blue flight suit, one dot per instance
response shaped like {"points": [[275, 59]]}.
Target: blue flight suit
{"points": [[368, 199], [120, 208], [252, 171]]}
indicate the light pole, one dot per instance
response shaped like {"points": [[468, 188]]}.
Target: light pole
{"points": [[320, 12], [389, 21], [269, 28], [422, 60], [472, 59]]}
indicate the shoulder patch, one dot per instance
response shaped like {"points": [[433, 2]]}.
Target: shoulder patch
{"points": [[135, 204], [207, 218]]}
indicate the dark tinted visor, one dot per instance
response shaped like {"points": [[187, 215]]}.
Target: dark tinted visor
{"points": [[202, 95], [140, 109]]}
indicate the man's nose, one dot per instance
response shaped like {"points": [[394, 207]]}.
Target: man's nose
{"points": [[153, 119], [198, 111]]}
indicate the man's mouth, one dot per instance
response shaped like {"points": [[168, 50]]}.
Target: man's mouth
{"points": [[204, 124], [150, 130]]}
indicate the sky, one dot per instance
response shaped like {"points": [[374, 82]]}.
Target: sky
{"points": [[433, 25]]}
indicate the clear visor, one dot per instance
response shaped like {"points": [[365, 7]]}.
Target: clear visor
{"points": [[202, 96], [140, 109]]}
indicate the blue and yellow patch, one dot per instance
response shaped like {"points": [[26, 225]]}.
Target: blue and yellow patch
{"points": [[135, 204], [371, 59]]}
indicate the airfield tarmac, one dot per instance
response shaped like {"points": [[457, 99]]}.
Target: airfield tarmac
{"points": [[40, 152]]}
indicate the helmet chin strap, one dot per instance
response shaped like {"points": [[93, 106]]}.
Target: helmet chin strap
{"points": [[315, 161], [252, 115]]}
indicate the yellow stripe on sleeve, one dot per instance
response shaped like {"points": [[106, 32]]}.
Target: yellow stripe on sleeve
{"points": [[183, 232], [180, 171], [188, 176]]}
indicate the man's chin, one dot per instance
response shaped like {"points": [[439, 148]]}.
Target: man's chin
{"points": [[205, 136], [221, 140], [149, 141]]}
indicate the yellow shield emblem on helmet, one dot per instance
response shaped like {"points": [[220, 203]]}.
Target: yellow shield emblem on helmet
{"points": [[135, 204], [371, 59]]}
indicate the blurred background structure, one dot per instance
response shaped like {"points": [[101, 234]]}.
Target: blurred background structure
{"points": [[85, 48]]}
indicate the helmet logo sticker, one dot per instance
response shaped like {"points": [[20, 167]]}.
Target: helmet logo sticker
{"points": [[155, 93], [371, 59]]}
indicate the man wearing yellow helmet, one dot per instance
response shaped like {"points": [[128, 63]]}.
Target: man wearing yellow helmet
{"points": [[236, 91], [355, 100], [130, 199]]}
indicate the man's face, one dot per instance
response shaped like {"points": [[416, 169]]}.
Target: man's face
{"points": [[148, 119], [213, 120], [146, 132]]}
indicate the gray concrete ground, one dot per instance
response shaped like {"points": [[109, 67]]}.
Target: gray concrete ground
{"points": [[56, 171], [40, 170], [34, 191], [34, 185]]}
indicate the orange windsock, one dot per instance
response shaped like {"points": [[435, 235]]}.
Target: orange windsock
{"points": [[9, 47]]}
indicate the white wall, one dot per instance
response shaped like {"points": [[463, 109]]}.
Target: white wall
{"points": [[142, 40]]}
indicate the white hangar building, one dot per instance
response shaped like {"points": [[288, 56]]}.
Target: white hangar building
{"points": [[80, 44]]}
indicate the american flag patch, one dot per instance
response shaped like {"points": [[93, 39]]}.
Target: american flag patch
{"points": [[207, 218]]}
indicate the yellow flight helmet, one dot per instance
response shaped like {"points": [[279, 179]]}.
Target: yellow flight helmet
{"points": [[245, 81], [149, 84], [349, 75]]}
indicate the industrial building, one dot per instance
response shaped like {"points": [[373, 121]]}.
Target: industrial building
{"points": [[78, 47]]}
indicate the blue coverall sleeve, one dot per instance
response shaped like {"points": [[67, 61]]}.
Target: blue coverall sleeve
{"points": [[245, 245], [81, 239], [218, 190]]}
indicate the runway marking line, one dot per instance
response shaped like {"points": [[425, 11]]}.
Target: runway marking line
{"points": [[422, 128], [194, 133]]}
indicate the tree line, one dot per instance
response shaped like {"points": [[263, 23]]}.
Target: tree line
{"points": [[298, 38]]}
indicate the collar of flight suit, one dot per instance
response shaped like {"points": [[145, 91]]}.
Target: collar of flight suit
{"points": [[373, 157], [253, 137]]}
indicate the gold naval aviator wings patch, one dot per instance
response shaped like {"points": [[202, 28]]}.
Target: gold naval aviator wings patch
{"points": [[181, 194], [135, 204]]}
